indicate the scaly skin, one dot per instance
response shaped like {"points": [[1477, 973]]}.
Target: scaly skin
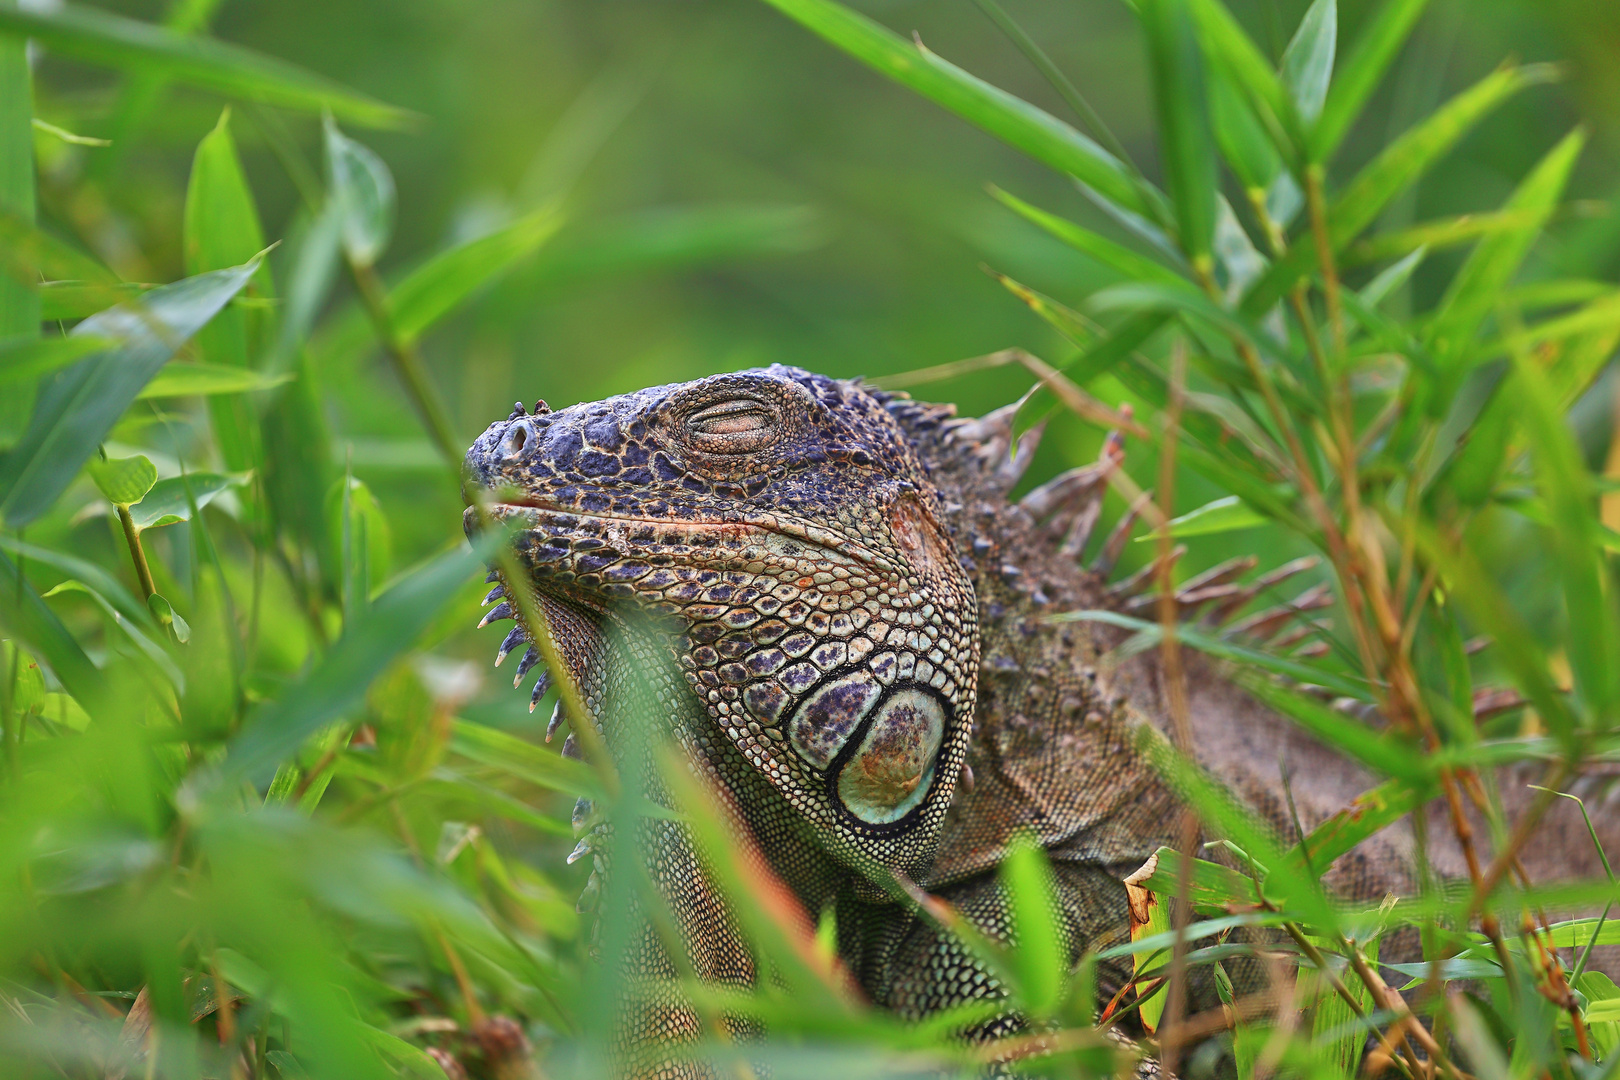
{"points": [[822, 595]]}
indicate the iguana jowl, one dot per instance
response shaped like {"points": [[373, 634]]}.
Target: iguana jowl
{"points": [[825, 593]]}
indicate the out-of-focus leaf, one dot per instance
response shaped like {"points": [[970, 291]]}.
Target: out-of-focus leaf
{"points": [[1065, 320], [1187, 142], [1039, 957], [1360, 73], [1397, 168], [1371, 812], [1273, 105], [526, 761], [148, 649], [170, 501], [206, 380], [442, 284], [1307, 65], [1448, 232], [1593, 636], [222, 229], [78, 405], [1015, 122], [1477, 287], [1228, 819], [1223, 515], [31, 254], [123, 480], [83, 570], [1383, 754], [169, 618], [19, 285], [1309, 674], [24, 617], [362, 188], [338, 685], [1215, 888], [1244, 143], [101, 37], [1377, 290], [64, 300], [25, 358], [673, 236], [1115, 256]]}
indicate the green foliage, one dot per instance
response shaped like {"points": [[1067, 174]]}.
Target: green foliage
{"points": [[260, 817]]}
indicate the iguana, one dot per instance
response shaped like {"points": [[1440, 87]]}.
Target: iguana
{"points": [[825, 593]]}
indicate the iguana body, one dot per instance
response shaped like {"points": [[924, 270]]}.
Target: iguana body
{"points": [[825, 594]]}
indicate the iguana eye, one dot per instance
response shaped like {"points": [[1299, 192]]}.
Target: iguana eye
{"points": [[739, 426]]}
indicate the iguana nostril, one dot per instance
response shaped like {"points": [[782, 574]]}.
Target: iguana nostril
{"points": [[515, 439]]}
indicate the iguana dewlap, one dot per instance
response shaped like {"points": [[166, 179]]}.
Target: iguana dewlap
{"points": [[823, 595]]}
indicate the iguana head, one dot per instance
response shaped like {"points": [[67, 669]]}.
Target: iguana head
{"points": [[780, 535]]}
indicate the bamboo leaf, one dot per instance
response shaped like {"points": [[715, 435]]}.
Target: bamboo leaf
{"points": [[100, 37], [205, 380], [78, 405], [26, 357], [441, 285], [170, 501], [1016, 122], [1186, 139], [1477, 287], [1361, 72], [222, 229], [1307, 65], [123, 480], [1384, 755], [1592, 635], [1228, 514], [1040, 957], [1394, 170], [338, 684], [19, 292], [1270, 100], [25, 618], [362, 189], [533, 764], [1113, 255]]}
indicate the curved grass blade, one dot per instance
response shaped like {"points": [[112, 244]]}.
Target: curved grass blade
{"points": [[1014, 121], [1113, 255], [1307, 66], [100, 37], [24, 617]]}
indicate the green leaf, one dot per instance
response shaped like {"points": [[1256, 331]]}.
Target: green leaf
{"points": [[1017, 123], [533, 764], [149, 650], [25, 618], [205, 380], [1394, 170], [1307, 65], [78, 405], [30, 254], [170, 501], [1592, 637], [1360, 74], [1309, 674], [1476, 289], [1385, 755], [25, 357], [440, 285], [1223, 515], [1113, 255], [1187, 142], [169, 618], [363, 190], [222, 229], [83, 570], [1371, 812], [1039, 957], [1243, 141], [337, 686], [100, 37], [1065, 320], [123, 480], [67, 300], [19, 291], [1273, 106]]}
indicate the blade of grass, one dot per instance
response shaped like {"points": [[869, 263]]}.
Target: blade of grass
{"points": [[1307, 65], [1186, 140], [1017, 123], [100, 37], [1361, 72]]}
